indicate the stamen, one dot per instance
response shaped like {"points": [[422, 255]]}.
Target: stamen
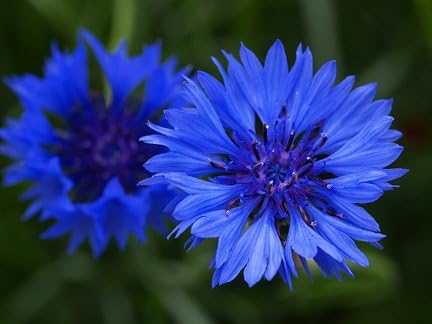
{"points": [[308, 168], [332, 212], [283, 110], [305, 216], [232, 204], [292, 181], [324, 139], [321, 143], [265, 132], [255, 169], [257, 166], [290, 140], [270, 184], [285, 207], [217, 165], [255, 150]]}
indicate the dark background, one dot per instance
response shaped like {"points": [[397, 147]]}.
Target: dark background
{"points": [[385, 41]]}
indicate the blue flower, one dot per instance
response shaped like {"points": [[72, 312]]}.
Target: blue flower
{"points": [[274, 162], [78, 149]]}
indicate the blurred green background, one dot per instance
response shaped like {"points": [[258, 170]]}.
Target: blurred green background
{"points": [[387, 41]]}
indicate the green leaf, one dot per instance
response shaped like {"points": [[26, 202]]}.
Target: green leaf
{"points": [[424, 12], [390, 70], [58, 14], [123, 20], [116, 307], [182, 308], [321, 25], [35, 294]]}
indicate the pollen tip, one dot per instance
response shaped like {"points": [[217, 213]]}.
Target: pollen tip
{"points": [[255, 144], [217, 165], [234, 203], [290, 140]]}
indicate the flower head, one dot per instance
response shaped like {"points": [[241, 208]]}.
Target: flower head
{"points": [[273, 163], [79, 149]]}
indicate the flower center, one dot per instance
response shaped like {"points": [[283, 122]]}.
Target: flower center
{"points": [[95, 145], [276, 173], [281, 167]]}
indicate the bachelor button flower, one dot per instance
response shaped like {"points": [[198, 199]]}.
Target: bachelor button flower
{"points": [[79, 149], [273, 163]]}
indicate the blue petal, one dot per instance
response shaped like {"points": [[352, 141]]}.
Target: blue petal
{"points": [[232, 232], [18, 144], [378, 156], [176, 162], [158, 198], [259, 250], [209, 117], [331, 267], [64, 86], [162, 86], [339, 239], [49, 187], [299, 79], [275, 76], [257, 262], [319, 89], [212, 224], [367, 137], [355, 232], [274, 252], [227, 107], [197, 186], [305, 241], [353, 213], [358, 187], [360, 98], [242, 252], [124, 73], [321, 110], [236, 102], [121, 214], [199, 204], [81, 222]]}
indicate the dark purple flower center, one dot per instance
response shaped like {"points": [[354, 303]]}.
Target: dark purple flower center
{"points": [[276, 173], [95, 145], [279, 167]]}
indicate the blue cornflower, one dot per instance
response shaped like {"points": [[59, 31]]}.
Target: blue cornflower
{"points": [[79, 149], [273, 163]]}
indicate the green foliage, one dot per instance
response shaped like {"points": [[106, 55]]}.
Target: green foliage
{"points": [[385, 41]]}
